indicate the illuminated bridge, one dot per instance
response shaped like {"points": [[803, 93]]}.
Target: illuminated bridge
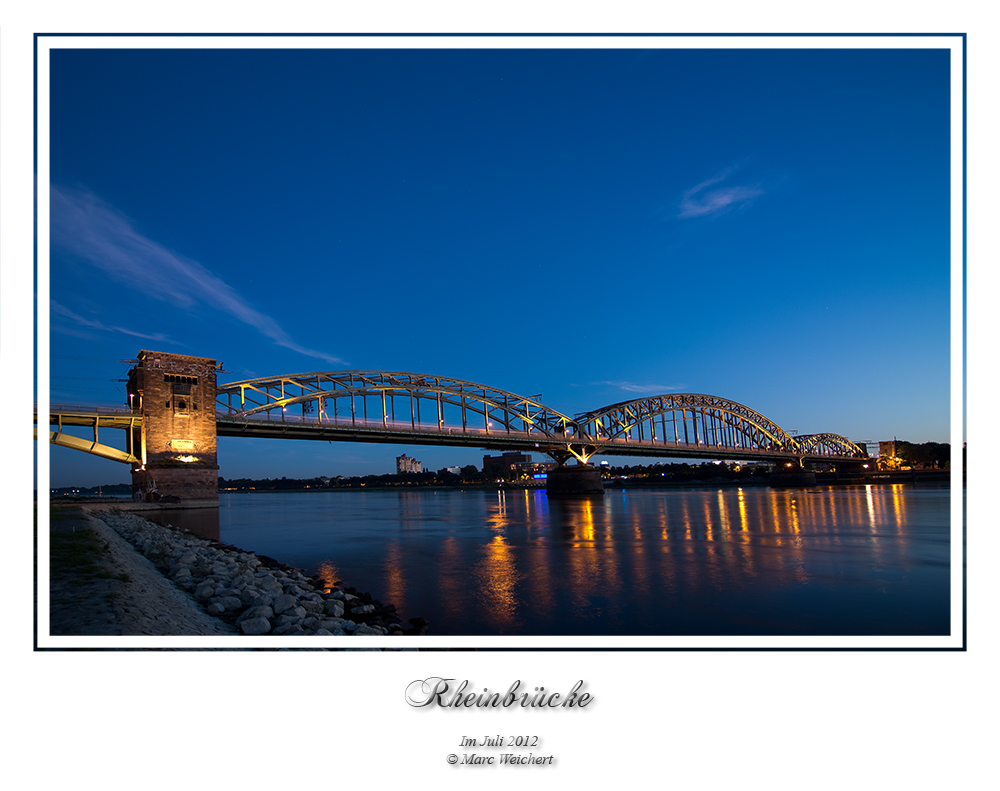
{"points": [[420, 409], [177, 409]]}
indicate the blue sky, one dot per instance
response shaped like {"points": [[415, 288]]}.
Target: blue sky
{"points": [[768, 226]]}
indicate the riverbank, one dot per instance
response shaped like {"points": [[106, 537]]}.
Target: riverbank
{"points": [[114, 572], [100, 586]]}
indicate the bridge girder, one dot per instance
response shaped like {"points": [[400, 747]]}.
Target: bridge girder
{"points": [[708, 426], [833, 445], [95, 418], [315, 391], [704, 420]]}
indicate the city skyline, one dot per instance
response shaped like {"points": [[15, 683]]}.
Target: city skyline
{"points": [[769, 226]]}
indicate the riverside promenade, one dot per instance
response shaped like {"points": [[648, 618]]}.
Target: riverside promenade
{"points": [[102, 585]]}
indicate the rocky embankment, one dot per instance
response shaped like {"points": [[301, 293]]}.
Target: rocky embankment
{"points": [[255, 594]]}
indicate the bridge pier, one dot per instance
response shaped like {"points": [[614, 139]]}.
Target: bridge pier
{"points": [[176, 445], [578, 479]]}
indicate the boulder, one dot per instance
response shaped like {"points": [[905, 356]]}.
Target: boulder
{"points": [[204, 592], [283, 602], [255, 626], [256, 612]]}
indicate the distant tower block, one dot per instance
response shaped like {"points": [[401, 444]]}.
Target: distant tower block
{"points": [[405, 464], [175, 394]]}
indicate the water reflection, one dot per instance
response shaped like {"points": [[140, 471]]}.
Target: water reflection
{"points": [[395, 573], [848, 560], [329, 574], [496, 578]]}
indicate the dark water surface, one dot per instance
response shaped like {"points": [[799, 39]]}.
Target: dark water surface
{"points": [[861, 560]]}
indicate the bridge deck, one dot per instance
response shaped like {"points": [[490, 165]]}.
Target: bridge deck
{"points": [[105, 417], [407, 433], [397, 433]]}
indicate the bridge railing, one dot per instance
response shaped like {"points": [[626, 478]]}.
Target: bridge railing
{"points": [[341, 421], [100, 410], [407, 427]]}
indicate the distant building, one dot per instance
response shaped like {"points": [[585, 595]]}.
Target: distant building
{"points": [[504, 462], [887, 458], [405, 464], [520, 464]]}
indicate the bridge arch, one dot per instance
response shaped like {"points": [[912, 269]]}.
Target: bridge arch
{"points": [[694, 420], [829, 445], [384, 398]]}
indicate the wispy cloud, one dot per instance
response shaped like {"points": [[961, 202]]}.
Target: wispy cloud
{"points": [[702, 201], [633, 387], [98, 325], [87, 226]]}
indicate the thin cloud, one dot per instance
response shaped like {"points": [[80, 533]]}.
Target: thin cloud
{"points": [[97, 325], [633, 387], [88, 227], [700, 201]]}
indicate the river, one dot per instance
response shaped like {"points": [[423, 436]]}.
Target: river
{"points": [[837, 560]]}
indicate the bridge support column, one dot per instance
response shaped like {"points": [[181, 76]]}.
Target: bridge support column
{"points": [[175, 394], [578, 479]]}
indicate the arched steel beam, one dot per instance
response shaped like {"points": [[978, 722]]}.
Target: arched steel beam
{"points": [[266, 394], [830, 445], [618, 420]]}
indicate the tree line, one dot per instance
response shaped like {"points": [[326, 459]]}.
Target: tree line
{"points": [[933, 455], [469, 474]]}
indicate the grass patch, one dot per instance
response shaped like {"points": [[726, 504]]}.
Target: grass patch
{"points": [[62, 514], [76, 554]]}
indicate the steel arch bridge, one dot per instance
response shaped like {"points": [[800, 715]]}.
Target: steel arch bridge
{"points": [[411, 408]]}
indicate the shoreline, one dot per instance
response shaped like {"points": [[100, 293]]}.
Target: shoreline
{"points": [[138, 577], [822, 479]]}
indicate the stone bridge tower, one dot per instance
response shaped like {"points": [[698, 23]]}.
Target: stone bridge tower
{"points": [[175, 394]]}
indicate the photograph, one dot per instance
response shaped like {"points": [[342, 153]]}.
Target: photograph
{"points": [[556, 393], [590, 346]]}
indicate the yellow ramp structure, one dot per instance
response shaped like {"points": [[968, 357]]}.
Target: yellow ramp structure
{"points": [[94, 418]]}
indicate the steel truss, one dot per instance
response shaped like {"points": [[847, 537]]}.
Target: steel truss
{"points": [[399, 407], [707, 422], [403, 403], [392, 399], [829, 445]]}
